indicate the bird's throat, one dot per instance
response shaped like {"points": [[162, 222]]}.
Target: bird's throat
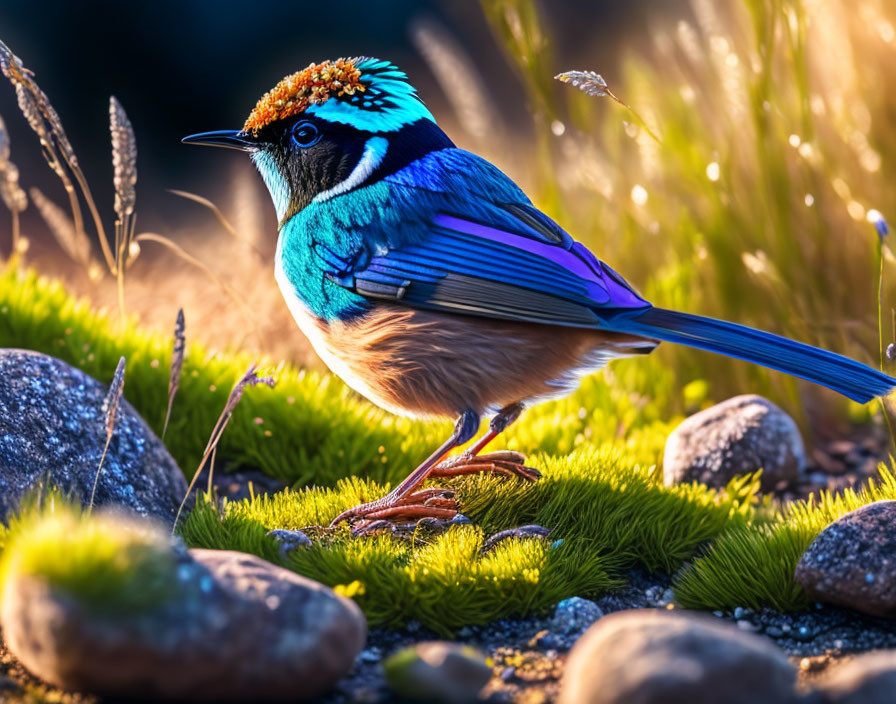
{"points": [[274, 180]]}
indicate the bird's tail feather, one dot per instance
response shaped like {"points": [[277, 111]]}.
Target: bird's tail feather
{"points": [[846, 376]]}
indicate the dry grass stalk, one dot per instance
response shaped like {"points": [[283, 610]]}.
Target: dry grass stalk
{"points": [[219, 216], [75, 244], [250, 378], [124, 164], [458, 77], [177, 363], [10, 191], [189, 258], [110, 411], [57, 148], [593, 84]]}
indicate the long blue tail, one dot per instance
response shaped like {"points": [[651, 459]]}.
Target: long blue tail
{"points": [[846, 376]]}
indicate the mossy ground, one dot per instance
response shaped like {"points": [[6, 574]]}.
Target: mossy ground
{"points": [[601, 494], [112, 563], [605, 514], [752, 565]]}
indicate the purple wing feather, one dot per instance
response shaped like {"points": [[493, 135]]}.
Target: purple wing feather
{"points": [[534, 272]]}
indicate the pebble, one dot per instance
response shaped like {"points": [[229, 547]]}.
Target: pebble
{"points": [[663, 657], [866, 679], [289, 541], [574, 615], [438, 672], [259, 631], [735, 437], [852, 562]]}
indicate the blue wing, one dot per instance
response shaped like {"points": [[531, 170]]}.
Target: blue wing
{"points": [[481, 248]]}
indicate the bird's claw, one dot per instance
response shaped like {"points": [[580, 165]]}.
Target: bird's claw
{"points": [[506, 462], [427, 503], [429, 524]]}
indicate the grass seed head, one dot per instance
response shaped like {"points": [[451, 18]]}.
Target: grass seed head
{"points": [[588, 82], [113, 398], [10, 191], [124, 159], [75, 244]]}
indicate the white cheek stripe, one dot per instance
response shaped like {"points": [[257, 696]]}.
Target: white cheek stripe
{"points": [[374, 151]]}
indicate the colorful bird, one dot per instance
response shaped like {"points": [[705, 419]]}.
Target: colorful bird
{"points": [[427, 280]]}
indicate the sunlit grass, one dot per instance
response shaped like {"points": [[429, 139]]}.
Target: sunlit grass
{"points": [[111, 563], [753, 565], [605, 515]]}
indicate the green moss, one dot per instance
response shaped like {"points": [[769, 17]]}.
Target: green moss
{"points": [[606, 515], [110, 563], [752, 565]]}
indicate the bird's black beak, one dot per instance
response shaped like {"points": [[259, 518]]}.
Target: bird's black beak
{"points": [[230, 139]]}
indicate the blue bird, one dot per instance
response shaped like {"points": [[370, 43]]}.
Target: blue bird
{"points": [[427, 280]]}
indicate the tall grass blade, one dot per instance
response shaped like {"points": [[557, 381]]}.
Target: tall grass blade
{"points": [[177, 363], [250, 378]]}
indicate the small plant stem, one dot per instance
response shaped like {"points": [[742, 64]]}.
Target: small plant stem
{"points": [[211, 471], [880, 289], [182, 253], [96, 479], [119, 275], [95, 215], [217, 431], [167, 418], [880, 332], [16, 232]]}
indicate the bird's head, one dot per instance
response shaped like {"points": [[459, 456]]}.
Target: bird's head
{"points": [[331, 128]]}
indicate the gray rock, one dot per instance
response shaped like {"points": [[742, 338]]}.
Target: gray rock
{"points": [[869, 678], [288, 541], [852, 562], [575, 615], [737, 436], [237, 629], [52, 429], [438, 672], [661, 657]]}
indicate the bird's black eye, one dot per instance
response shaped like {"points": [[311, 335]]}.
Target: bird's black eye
{"points": [[305, 134]]}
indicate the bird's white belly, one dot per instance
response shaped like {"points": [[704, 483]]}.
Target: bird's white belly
{"points": [[312, 329]]}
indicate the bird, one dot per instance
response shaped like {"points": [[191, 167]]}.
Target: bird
{"points": [[427, 280]]}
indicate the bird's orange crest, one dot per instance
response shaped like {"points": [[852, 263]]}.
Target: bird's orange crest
{"points": [[311, 86]]}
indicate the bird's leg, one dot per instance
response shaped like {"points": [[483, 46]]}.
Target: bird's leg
{"points": [[508, 463], [402, 502]]}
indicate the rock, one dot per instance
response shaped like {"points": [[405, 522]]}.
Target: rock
{"points": [[575, 615], [852, 562], [52, 428], [737, 436], [438, 672], [662, 657], [869, 678], [289, 541], [236, 629]]}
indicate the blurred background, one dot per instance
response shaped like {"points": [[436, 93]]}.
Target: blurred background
{"points": [[750, 179]]}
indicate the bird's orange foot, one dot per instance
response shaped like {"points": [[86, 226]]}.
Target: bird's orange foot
{"points": [[438, 504], [433, 508], [506, 463]]}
